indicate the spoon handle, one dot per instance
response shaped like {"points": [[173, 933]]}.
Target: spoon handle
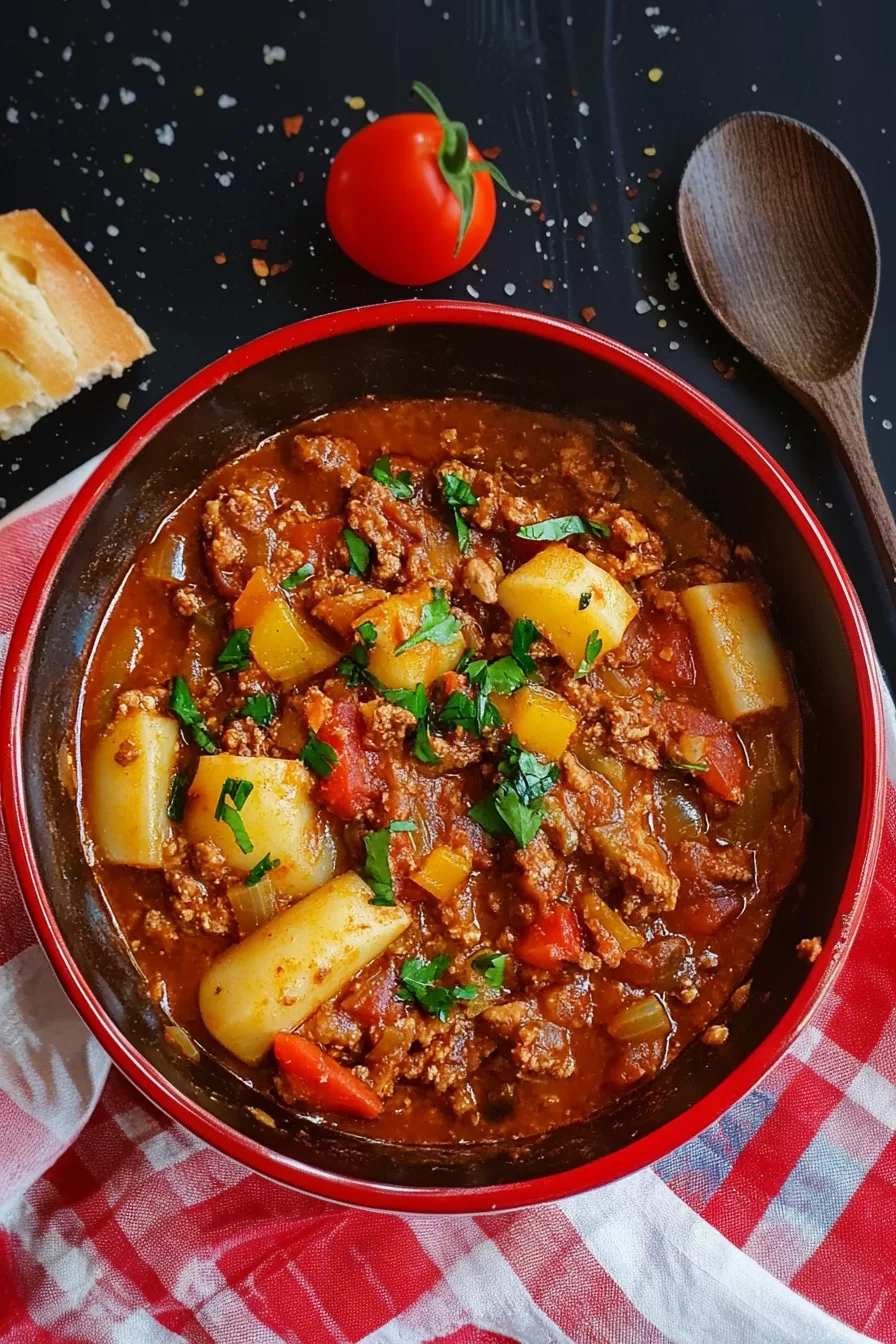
{"points": [[839, 403]]}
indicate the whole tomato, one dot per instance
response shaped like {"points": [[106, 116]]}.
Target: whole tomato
{"points": [[409, 198]]}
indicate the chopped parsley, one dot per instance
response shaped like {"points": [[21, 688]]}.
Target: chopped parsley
{"points": [[422, 746], [181, 703], [699, 766], [177, 798], [376, 871], [473, 714], [234, 657], [400, 485], [530, 778], [318, 756], [260, 708], [353, 667], [491, 967], [503, 676], [417, 977], [297, 578], [585, 600], [358, 553], [515, 807], [458, 495], [593, 646], [522, 637], [367, 631], [437, 625], [265, 865], [555, 529], [237, 790]]}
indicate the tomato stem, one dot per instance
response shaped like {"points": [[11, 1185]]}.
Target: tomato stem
{"points": [[455, 164]]}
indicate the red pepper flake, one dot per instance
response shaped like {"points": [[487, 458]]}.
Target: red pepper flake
{"points": [[588, 314], [631, 192], [719, 365], [548, 285], [280, 266], [301, 177], [220, 258], [292, 125], [592, 209], [726, 370], [534, 207], [259, 244], [542, 216], [260, 267], [580, 237], [730, 374], [493, 152], [573, 93], [655, 173]]}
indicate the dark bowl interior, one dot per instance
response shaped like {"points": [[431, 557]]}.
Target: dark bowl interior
{"points": [[432, 361]]}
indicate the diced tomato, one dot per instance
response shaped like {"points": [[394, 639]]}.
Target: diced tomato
{"points": [[320, 1081], [555, 937], [316, 538], [353, 785], [723, 754], [374, 1002], [669, 653], [702, 914]]}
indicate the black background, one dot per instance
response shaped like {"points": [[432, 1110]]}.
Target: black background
{"points": [[560, 85]]}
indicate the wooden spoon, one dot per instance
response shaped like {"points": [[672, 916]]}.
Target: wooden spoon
{"points": [[779, 235]]}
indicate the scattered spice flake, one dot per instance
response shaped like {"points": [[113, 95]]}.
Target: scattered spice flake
{"points": [[672, 280], [123, 401], [655, 74], [493, 152], [719, 365], [592, 209], [128, 158], [588, 314], [809, 949], [151, 176], [260, 267], [740, 996], [654, 173], [259, 244], [631, 192], [292, 125], [548, 285], [662, 322], [730, 374], [635, 237], [198, 90], [280, 266], [300, 177], [650, 151], [715, 1035], [534, 207], [356, 102], [220, 258]]}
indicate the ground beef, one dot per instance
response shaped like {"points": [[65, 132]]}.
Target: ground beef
{"points": [[498, 503], [208, 862], [632, 550], [150, 700], [195, 908], [186, 601], [458, 914], [315, 707], [127, 753], [393, 528], [482, 574], [386, 726], [335, 1030], [539, 1047], [628, 726], [244, 737], [569, 1004], [457, 750], [160, 929], [719, 863], [336, 455], [454, 1055], [594, 479], [444, 1054], [543, 871], [226, 520]]}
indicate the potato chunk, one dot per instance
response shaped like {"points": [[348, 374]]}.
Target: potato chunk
{"points": [[737, 650], [548, 590], [287, 647], [396, 620], [279, 816], [542, 720], [128, 785], [278, 976]]}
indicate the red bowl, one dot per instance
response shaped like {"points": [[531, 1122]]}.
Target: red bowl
{"points": [[431, 348]]}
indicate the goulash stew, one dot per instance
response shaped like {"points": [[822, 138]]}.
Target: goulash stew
{"points": [[440, 764]]}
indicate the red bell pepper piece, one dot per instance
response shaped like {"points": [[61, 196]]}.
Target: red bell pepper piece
{"points": [[351, 787], [727, 770], [320, 1081], [554, 937]]}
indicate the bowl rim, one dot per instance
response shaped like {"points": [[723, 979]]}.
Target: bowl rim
{"points": [[658, 1143]]}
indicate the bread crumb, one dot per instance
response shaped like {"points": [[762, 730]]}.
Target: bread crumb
{"points": [[740, 996], [809, 949], [715, 1036], [123, 401], [588, 314], [260, 266]]}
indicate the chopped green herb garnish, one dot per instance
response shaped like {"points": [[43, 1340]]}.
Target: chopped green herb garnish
{"points": [[234, 657], [593, 646], [358, 553], [237, 790], [414, 701], [458, 495], [376, 871], [417, 976], [297, 578], [585, 600], [437, 625], [473, 714], [400, 485], [689, 765], [555, 529], [658, 695], [354, 665], [503, 813], [265, 865], [181, 703], [367, 632], [503, 676], [422, 745], [177, 798], [491, 966], [318, 756], [522, 637], [260, 708], [467, 657], [529, 777]]}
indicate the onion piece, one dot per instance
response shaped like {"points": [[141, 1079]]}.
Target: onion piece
{"points": [[165, 560], [253, 906], [646, 1020]]}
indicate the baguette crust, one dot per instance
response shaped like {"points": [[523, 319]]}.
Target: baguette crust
{"points": [[60, 330]]}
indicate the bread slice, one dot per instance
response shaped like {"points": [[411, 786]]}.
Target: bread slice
{"points": [[60, 330]]}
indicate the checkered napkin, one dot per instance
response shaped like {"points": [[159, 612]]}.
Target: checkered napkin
{"points": [[777, 1224]]}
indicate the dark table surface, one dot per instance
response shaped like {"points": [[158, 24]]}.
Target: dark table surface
{"points": [[151, 136]]}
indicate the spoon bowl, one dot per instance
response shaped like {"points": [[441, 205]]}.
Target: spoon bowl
{"points": [[779, 236]]}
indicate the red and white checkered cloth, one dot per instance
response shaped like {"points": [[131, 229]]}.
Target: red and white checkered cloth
{"points": [[776, 1225]]}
